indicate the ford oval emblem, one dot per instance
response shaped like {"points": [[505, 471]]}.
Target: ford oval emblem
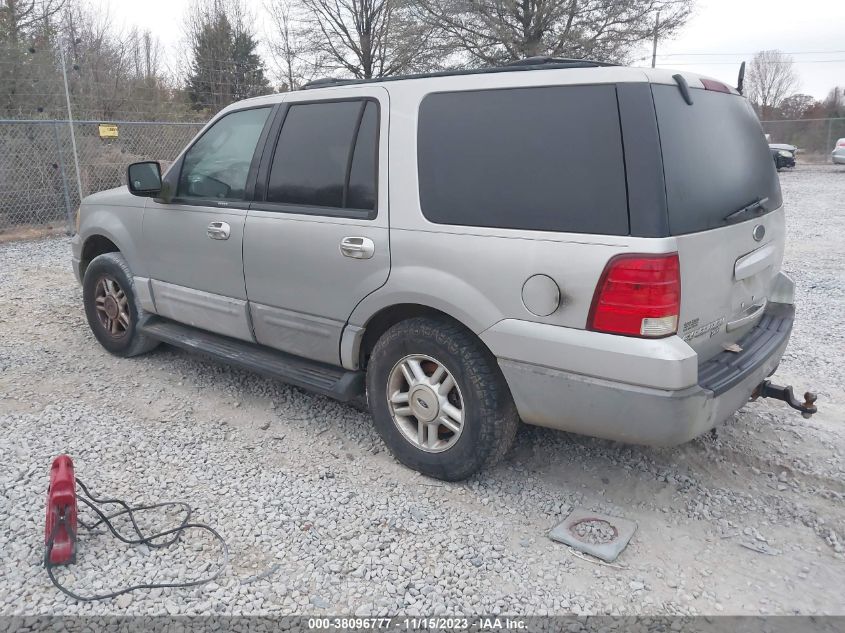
{"points": [[759, 232]]}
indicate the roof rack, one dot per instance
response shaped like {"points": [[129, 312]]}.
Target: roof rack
{"points": [[529, 63], [540, 60], [328, 81]]}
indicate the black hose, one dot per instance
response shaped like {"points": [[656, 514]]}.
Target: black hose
{"points": [[106, 519]]}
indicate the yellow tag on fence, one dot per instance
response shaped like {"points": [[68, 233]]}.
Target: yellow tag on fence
{"points": [[108, 131]]}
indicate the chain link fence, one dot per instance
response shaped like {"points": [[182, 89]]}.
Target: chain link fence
{"points": [[814, 138], [39, 191]]}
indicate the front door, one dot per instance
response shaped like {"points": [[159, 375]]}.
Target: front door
{"points": [[194, 243], [316, 237]]}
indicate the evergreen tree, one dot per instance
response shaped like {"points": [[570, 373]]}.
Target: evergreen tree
{"points": [[225, 65]]}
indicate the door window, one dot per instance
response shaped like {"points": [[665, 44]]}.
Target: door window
{"points": [[217, 165], [326, 156], [362, 176]]}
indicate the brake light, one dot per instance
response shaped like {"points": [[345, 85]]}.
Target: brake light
{"points": [[717, 86], [638, 295]]}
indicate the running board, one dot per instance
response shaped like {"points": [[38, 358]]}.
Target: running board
{"points": [[321, 378]]}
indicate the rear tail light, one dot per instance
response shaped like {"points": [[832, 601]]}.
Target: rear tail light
{"points": [[638, 295]]}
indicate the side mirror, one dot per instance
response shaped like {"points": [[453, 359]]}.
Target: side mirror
{"points": [[144, 179]]}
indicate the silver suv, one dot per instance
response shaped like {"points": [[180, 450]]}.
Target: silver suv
{"points": [[465, 251]]}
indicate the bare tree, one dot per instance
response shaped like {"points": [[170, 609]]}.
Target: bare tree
{"points": [[368, 38], [27, 66], [834, 103], [105, 74], [492, 32], [146, 54], [769, 80], [113, 74], [19, 17], [288, 43]]}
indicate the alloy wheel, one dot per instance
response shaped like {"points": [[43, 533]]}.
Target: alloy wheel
{"points": [[426, 403], [112, 307]]}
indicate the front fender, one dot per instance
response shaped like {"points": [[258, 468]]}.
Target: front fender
{"points": [[117, 219]]}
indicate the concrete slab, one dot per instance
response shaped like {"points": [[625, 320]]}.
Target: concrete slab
{"points": [[599, 535]]}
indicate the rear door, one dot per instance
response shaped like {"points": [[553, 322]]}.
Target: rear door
{"points": [[316, 237], [717, 164]]}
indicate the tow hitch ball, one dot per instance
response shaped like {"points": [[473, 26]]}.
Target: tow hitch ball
{"points": [[767, 390]]}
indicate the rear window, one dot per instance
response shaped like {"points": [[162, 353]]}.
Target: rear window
{"points": [[546, 159], [715, 158]]}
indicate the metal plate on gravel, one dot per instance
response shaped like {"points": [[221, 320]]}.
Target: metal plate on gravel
{"points": [[596, 534]]}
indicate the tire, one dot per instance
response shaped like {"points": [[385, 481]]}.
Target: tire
{"points": [[109, 284], [489, 419]]}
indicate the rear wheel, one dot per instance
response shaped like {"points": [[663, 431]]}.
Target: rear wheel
{"points": [[439, 400], [112, 307]]}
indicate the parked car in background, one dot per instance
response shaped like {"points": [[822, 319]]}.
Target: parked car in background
{"points": [[628, 291], [838, 155], [783, 154]]}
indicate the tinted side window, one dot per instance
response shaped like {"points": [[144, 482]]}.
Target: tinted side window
{"points": [[312, 157], [362, 175], [217, 165], [528, 158]]}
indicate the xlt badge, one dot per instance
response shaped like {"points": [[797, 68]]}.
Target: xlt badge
{"points": [[691, 330]]}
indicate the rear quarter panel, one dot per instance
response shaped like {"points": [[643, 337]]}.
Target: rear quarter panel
{"points": [[476, 274]]}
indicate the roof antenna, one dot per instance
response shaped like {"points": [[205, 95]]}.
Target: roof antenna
{"points": [[740, 80]]}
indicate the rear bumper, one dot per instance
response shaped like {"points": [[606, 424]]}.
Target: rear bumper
{"points": [[646, 415]]}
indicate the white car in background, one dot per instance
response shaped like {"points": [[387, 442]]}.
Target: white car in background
{"points": [[838, 155]]}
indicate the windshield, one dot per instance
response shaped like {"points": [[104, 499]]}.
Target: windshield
{"points": [[715, 158]]}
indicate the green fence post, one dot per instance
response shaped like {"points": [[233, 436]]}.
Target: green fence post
{"points": [[829, 133]]}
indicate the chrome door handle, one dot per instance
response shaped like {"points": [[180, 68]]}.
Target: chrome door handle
{"points": [[219, 230], [357, 247]]}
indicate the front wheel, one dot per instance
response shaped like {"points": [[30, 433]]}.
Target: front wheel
{"points": [[439, 399], [112, 307]]}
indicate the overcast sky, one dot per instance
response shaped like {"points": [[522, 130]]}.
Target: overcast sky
{"points": [[720, 35]]}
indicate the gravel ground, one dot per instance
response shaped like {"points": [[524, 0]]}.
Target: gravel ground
{"points": [[320, 519]]}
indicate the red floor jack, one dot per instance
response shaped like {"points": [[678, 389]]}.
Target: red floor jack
{"points": [[61, 530]]}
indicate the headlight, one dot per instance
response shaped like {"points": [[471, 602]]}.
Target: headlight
{"points": [[784, 153]]}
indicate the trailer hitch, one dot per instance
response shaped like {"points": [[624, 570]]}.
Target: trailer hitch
{"points": [[767, 390]]}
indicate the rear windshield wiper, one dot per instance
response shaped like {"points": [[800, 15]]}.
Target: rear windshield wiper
{"points": [[758, 207]]}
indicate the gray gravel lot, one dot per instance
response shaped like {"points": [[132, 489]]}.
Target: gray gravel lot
{"points": [[320, 519]]}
